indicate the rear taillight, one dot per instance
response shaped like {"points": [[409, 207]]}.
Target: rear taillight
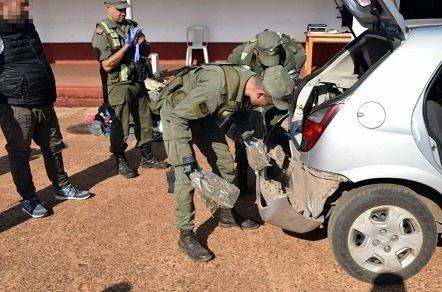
{"points": [[315, 125]]}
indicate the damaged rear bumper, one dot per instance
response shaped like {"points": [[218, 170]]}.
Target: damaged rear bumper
{"points": [[296, 202], [279, 212]]}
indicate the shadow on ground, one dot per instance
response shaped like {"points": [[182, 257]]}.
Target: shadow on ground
{"points": [[244, 206], [315, 235], [388, 282], [79, 129], [204, 230], [119, 287], [4, 160], [85, 179]]}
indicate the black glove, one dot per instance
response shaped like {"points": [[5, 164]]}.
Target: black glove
{"points": [[189, 165]]}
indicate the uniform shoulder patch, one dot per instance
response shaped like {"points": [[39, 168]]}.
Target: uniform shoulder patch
{"points": [[200, 108], [99, 29]]}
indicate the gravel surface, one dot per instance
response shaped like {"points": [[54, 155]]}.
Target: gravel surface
{"points": [[123, 238]]}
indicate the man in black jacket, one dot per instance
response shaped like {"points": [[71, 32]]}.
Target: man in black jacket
{"points": [[27, 95]]}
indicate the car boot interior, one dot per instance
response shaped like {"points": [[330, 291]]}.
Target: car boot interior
{"points": [[342, 73], [338, 76]]}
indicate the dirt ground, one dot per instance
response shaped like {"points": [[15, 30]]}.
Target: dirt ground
{"points": [[123, 238]]}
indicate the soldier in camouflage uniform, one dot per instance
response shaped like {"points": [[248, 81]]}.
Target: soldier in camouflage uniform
{"points": [[193, 101], [122, 51], [268, 49]]}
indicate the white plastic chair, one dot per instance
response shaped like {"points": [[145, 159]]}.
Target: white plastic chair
{"points": [[197, 36]]}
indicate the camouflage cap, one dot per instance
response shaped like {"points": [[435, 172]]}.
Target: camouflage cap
{"points": [[268, 44], [279, 85], [119, 4]]}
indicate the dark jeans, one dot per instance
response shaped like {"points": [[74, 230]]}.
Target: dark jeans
{"points": [[21, 125]]}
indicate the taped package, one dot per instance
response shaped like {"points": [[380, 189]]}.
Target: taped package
{"points": [[256, 152], [214, 191]]}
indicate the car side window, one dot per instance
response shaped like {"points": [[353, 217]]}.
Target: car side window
{"points": [[433, 110], [435, 92]]}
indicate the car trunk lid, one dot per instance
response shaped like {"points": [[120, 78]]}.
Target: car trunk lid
{"points": [[378, 15]]}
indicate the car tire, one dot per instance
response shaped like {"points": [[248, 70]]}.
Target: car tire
{"points": [[388, 222]]}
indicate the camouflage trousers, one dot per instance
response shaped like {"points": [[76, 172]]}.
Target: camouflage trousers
{"points": [[212, 143], [129, 100]]}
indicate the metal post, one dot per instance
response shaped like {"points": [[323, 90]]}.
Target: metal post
{"points": [[129, 11]]}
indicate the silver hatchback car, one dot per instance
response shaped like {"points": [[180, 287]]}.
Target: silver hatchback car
{"points": [[365, 148]]}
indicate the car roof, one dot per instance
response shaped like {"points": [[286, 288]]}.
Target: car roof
{"points": [[411, 23]]}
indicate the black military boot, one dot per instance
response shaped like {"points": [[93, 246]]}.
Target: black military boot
{"points": [[148, 160], [123, 166], [229, 218], [190, 245]]}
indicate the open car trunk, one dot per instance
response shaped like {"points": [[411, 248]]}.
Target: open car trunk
{"points": [[290, 194], [338, 77], [293, 195], [386, 30], [381, 15]]}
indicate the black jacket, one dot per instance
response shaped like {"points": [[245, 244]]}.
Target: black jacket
{"points": [[26, 78]]}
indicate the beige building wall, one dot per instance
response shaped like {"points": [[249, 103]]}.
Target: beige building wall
{"points": [[70, 21]]}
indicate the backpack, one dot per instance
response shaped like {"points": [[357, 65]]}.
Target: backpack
{"points": [[101, 125]]}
